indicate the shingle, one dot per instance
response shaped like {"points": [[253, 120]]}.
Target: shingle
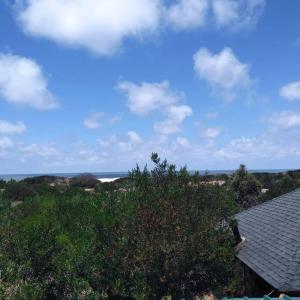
{"points": [[272, 247]]}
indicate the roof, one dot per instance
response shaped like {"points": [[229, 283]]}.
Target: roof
{"points": [[272, 245]]}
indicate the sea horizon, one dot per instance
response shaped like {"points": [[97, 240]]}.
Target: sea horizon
{"points": [[123, 174]]}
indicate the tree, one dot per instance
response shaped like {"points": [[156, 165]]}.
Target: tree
{"points": [[180, 247], [84, 181], [165, 233], [245, 187], [2, 184], [18, 191], [282, 186]]}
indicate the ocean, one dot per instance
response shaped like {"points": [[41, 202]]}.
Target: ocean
{"points": [[110, 175]]}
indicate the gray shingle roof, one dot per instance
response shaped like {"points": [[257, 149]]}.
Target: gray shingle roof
{"points": [[272, 246]]}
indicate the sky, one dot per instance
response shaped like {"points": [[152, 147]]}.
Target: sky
{"points": [[98, 85]]}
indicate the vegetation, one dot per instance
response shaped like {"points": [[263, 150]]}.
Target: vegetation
{"points": [[18, 191], [2, 184], [281, 186], [44, 179], [160, 232], [165, 235], [245, 187], [86, 180]]}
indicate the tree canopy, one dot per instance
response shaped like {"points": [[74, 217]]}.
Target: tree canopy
{"points": [[245, 187], [164, 234]]}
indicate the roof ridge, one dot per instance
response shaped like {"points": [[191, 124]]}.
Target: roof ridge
{"points": [[267, 202]]}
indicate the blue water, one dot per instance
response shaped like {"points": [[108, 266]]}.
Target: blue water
{"points": [[68, 175], [100, 175]]}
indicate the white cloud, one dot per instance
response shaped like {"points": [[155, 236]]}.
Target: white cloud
{"points": [[175, 116], [285, 119], [132, 142], [98, 25], [6, 142], [134, 137], [108, 142], [237, 14], [102, 26], [22, 82], [223, 71], [291, 91], [269, 149], [148, 97], [183, 142], [49, 150], [187, 14], [212, 133], [92, 121], [240, 148], [11, 128], [274, 148]]}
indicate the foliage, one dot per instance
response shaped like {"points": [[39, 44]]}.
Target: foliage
{"points": [[121, 185], [2, 184], [44, 179], [177, 222], [245, 187], [164, 234], [18, 191], [84, 181], [282, 186]]}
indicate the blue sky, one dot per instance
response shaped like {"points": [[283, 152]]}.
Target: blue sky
{"points": [[97, 85]]}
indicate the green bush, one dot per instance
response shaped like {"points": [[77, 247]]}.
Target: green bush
{"points": [[84, 181], [18, 191], [2, 184], [165, 235]]}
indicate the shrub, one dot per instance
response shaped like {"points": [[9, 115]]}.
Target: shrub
{"points": [[84, 181]]}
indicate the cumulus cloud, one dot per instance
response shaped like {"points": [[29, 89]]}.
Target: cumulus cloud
{"points": [[285, 119], [108, 142], [102, 26], [212, 133], [148, 97], [240, 148], [98, 25], [134, 137], [5, 142], [48, 150], [12, 128], [175, 116], [223, 71], [93, 121], [132, 142], [22, 82], [291, 91], [274, 148], [183, 142], [237, 14], [187, 14]]}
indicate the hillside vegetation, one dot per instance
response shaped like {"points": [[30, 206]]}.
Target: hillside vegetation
{"points": [[159, 232]]}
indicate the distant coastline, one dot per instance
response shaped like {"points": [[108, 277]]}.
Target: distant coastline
{"points": [[109, 176]]}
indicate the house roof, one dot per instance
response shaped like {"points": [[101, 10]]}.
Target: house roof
{"points": [[272, 245]]}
